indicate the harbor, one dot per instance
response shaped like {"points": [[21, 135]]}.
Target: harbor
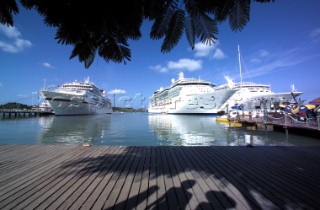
{"points": [[119, 177]]}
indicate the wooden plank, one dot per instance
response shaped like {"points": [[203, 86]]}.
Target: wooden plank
{"points": [[162, 201], [293, 180], [29, 192], [78, 192], [97, 197], [132, 200], [170, 194], [43, 171], [64, 193], [160, 177], [222, 171], [189, 184], [119, 183], [109, 188], [262, 183], [25, 165], [180, 188], [209, 198], [153, 188], [276, 171], [123, 197], [217, 192], [228, 194], [144, 184], [84, 192]]}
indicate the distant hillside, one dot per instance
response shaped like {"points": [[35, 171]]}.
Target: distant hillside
{"points": [[14, 105], [122, 109]]}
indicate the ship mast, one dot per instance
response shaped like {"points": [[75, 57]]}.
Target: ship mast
{"points": [[240, 66]]}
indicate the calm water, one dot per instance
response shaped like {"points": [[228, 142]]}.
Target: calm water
{"points": [[140, 129]]}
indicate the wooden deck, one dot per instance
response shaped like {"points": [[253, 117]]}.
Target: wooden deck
{"points": [[118, 177]]}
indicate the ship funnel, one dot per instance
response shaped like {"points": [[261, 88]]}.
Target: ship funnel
{"points": [[230, 83], [293, 88], [181, 76]]}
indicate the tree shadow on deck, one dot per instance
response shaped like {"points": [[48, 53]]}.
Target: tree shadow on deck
{"points": [[225, 177]]}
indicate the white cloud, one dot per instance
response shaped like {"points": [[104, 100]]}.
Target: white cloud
{"points": [[159, 68], [185, 64], [23, 95], [263, 53], [13, 43], [278, 61], [117, 91], [203, 50], [315, 34], [182, 64], [47, 65], [218, 54], [260, 56], [255, 60], [9, 31]]}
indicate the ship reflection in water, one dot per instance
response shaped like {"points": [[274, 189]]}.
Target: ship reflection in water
{"points": [[141, 129], [73, 130], [195, 130]]}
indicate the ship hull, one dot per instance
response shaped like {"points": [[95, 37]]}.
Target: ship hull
{"points": [[205, 103], [251, 102], [73, 104]]}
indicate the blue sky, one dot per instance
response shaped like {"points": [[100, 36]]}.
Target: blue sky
{"points": [[279, 46]]}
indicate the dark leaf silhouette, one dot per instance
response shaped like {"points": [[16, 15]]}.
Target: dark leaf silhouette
{"points": [[175, 31], [98, 29]]}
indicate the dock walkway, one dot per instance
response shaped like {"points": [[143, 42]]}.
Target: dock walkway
{"points": [[8, 113], [160, 177]]}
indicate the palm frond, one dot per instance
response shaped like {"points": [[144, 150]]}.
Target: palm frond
{"points": [[161, 25], [264, 1], [7, 8], [174, 32], [222, 10], [89, 60], [239, 15], [85, 51], [192, 8], [113, 50], [190, 33], [153, 9], [205, 28], [69, 34]]}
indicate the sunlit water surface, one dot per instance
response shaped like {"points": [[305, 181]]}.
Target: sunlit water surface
{"points": [[139, 129]]}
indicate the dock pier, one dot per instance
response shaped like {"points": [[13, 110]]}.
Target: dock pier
{"points": [[283, 122], [8, 113]]}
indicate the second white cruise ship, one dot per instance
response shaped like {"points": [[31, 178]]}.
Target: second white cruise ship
{"points": [[188, 96], [251, 96], [77, 98]]}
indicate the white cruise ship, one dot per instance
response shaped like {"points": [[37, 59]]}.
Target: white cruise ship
{"points": [[77, 98], [188, 96], [251, 96]]}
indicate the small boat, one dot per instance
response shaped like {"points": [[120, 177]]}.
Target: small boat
{"points": [[231, 121]]}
